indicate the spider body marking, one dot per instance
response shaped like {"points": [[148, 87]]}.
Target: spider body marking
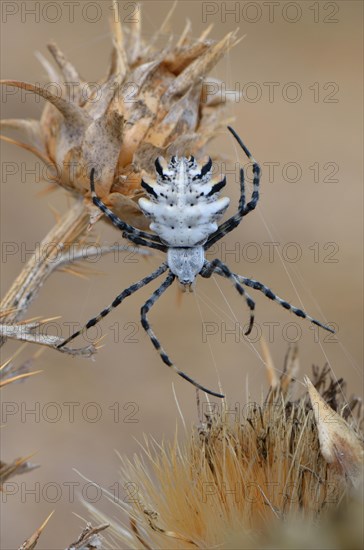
{"points": [[184, 207]]}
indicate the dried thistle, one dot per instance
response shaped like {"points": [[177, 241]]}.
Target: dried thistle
{"points": [[241, 482], [117, 133]]}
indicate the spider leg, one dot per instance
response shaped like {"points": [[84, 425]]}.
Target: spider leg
{"points": [[143, 242], [115, 219], [145, 324], [269, 294], [256, 172], [218, 267], [243, 209], [127, 292]]}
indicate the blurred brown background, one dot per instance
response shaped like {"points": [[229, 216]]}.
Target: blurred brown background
{"points": [[321, 54]]}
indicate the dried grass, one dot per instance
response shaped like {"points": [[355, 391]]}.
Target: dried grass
{"points": [[253, 479]]}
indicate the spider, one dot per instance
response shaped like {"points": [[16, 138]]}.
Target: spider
{"points": [[184, 207]]}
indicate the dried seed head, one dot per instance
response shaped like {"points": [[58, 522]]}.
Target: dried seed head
{"points": [[151, 102], [238, 481]]}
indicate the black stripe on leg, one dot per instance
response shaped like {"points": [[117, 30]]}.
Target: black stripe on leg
{"points": [[65, 342], [286, 305], [197, 385], [155, 342], [269, 294], [166, 359], [299, 312], [92, 180], [154, 243], [238, 139], [222, 270], [120, 224], [234, 221]]}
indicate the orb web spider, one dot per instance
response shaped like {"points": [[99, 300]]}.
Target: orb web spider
{"points": [[184, 207]]}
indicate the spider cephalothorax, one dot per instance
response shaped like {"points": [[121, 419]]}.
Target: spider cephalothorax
{"points": [[184, 207]]}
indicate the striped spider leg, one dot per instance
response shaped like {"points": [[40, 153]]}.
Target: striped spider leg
{"points": [[184, 205], [229, 225]]}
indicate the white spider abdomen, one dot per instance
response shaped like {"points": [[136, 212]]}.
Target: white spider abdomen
{"points": [[184, 206]]}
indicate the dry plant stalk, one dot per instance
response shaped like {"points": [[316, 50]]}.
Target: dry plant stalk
{"points": [[243, 481], [31, 542], [89, 539]]}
